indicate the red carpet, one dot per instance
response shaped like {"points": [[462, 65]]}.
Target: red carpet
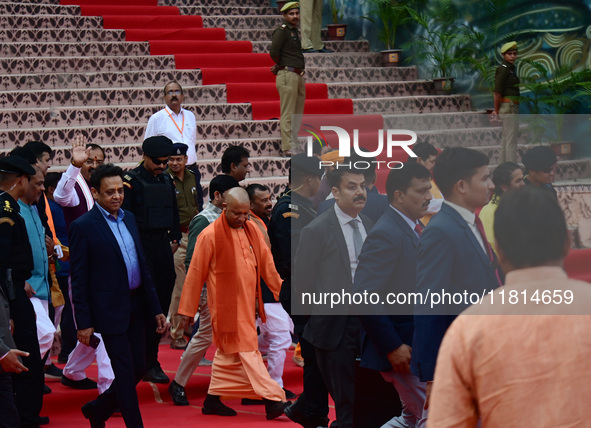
{"points": [[265, 110], [252, 92], [216, 76], [123, 22], [110, 2], [183, 34], [191, 61], [170, 47], [63, 404], [102, 10]]}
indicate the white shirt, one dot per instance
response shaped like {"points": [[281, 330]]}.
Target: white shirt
{"points": [[411, 224], [65, 193], [469, 217], [347, 229], [167, 123]]}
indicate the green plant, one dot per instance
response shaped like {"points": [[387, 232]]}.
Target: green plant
{"points": [[388, 15], [444, 45], [336, 12]]}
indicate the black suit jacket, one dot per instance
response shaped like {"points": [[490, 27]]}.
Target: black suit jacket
{"points": [[100, 288], [322, 261]]}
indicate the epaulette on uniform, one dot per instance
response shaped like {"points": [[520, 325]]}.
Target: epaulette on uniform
{"points": [[283, 26]]}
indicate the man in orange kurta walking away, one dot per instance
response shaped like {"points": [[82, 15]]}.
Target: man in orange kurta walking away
{"points": [[231, 256]]}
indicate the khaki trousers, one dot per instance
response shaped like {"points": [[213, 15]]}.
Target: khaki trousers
{"points": [[198, 344], [179, 267], [311, 24], [292, 92], [510, 132]]}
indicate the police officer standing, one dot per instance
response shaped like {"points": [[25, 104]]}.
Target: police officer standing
{"points": [[292, 212], [150, 196], [286, 51], [506, 101], [186, 184], [16, 264]]}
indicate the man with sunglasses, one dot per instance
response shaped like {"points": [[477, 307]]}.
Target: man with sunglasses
{"points": [[178, 124], [506, 101], [540, 168], [150, 195]]}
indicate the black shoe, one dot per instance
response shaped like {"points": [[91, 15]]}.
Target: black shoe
{"points": [[214, 406], [296, 415], [46, 390], [43, 420], [155, 375], [290, 395], [87, 412], [83, 384], [309, 51], [177, 393], [325, 50], [251, 402], [52, 372], [274, 409]]}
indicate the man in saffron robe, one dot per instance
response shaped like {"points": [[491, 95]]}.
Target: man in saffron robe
{"points": [[231, 256]]}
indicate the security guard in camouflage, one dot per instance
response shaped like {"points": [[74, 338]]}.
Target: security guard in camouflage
{"points": [[16, 264], [506, 101], [150, 196], [286, 51]]}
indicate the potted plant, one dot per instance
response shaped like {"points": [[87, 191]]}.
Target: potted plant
{"points": [[443, 45], [280, 4], [556, 94], [337, 30], [388, 15]]}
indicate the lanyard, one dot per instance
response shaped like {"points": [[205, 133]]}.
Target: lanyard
{"points": [[174, 121]]}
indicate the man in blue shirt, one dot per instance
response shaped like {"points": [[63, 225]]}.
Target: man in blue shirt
{"points": [[113, 294]]}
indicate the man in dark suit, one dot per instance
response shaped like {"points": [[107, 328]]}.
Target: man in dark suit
{"points": [[326, 260], [454, 254], [388, 263], [113, 294]]}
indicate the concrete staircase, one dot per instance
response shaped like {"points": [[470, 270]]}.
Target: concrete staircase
{"points": [[61, 74]]}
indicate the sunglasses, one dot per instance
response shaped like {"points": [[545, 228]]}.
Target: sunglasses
{"points": [[157, 161]]}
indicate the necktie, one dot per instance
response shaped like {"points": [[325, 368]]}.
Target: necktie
{"points": [[357, 239], [419, 228], [489, 251]]}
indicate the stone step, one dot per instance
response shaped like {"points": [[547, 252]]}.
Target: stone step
{"points": [[50, 21], [428, 121], [379, 89], [64, 117], [413, 104], [69, 35], [252, 34], [74, 49], [123, 79], [232, 10], [244, 22], [208, 3], [85, 64], [104, 96], [22, 8], [345, 59], [48, 2], [337, 46], [158, 78]]}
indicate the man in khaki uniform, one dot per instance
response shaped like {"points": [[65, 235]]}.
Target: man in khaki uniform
{"points": [[286, 51], [311, 16]]}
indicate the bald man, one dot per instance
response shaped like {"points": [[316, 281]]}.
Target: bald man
{"points": [[231, 256]]}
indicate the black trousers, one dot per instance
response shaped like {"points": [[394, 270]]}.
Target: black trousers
{"points": [[313, 402], [28, 386], [128, 360], [161, 263], [338, 371], [8, 409], [67, 326]]}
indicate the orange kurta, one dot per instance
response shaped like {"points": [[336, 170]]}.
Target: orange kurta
{"points": [[203, 269]]}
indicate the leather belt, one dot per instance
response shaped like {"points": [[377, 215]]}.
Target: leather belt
{"points": [[509, 100], [185, 229], [299, 71]]}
